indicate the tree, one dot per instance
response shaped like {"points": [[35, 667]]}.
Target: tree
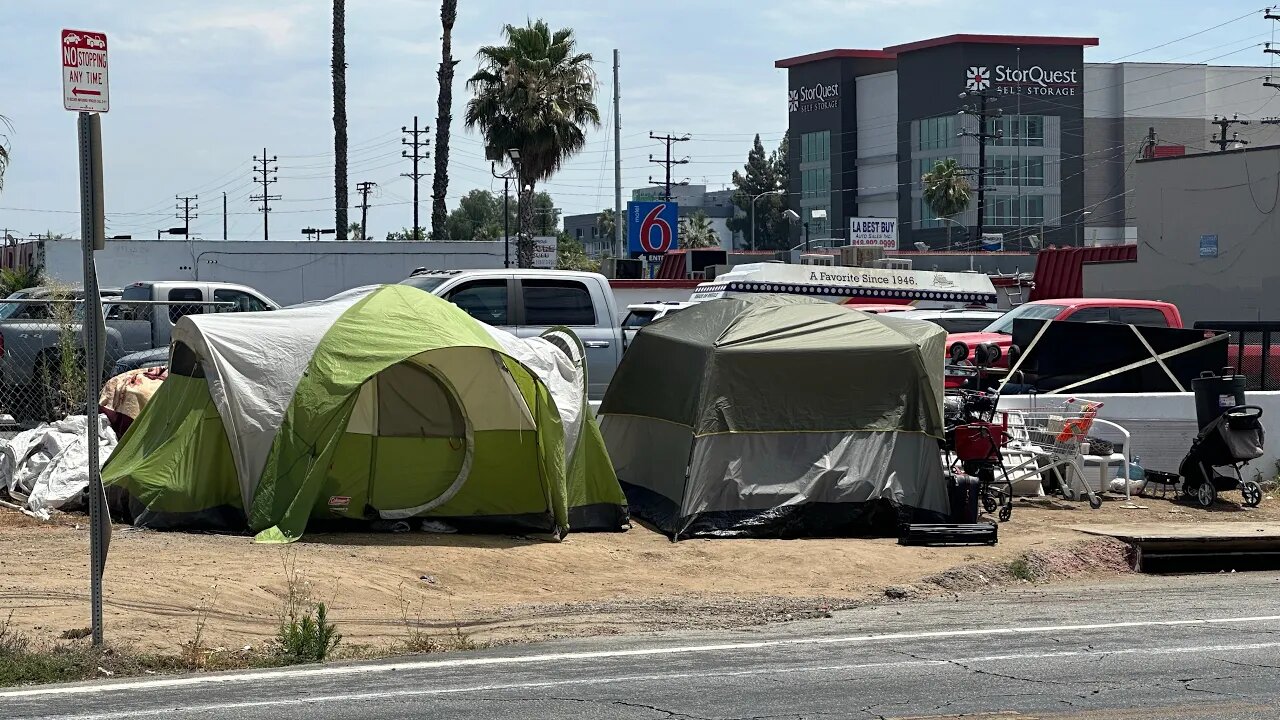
{"points": [[6, 127], [570, 255], [339, 68], [477, 217], [946, 189], [444, 116], [355, 233], [407, 235], [608, 226], [763, 173], [696, 232], [546, 216], [536, 93]]}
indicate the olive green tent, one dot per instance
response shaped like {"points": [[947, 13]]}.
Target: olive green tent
{"points": [[383, 403], [778, 415]]}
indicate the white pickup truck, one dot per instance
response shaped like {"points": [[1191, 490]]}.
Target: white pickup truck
{"points": [[527, 302]]}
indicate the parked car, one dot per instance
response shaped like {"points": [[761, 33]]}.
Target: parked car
{"points": [[956, 320], [1151, 313], [32, 339], [641, 314], [153, 358], [527, 302]]}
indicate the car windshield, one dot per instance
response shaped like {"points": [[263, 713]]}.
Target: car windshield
{"points": [[1004, 324], [423, 282], [638, 319], [8, 310]]}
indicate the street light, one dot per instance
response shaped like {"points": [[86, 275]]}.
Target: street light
{"points": [[753, 213], [506, 177], [1084, 215], [315, 233], [956, 223]]}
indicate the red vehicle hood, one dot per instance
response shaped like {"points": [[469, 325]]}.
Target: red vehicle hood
{"points": [[974, 339]]}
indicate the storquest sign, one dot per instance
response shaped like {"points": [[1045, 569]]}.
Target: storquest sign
{"points": [[1032, 80], [820, 96]]}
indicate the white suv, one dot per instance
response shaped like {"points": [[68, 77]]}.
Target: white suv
{"points": [[642, 314]]}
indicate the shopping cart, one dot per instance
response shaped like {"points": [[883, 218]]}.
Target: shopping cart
{"points": [[1053, 431]]}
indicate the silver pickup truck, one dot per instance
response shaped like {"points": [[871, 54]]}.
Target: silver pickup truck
{"points": [[527, 302], [33, 335]]}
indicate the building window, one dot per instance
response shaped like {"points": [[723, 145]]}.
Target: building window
{"points": [[936, 133], [818, 226], [1015, 130], [1011, 171], [578, 233], [815, 146], [1014, 211], [926, 217], [815, 182]]}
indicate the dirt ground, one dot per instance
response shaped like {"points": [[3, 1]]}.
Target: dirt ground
{"points": [[506, 588]]}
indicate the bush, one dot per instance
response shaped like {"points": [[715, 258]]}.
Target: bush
{"points": [[308, 636]]}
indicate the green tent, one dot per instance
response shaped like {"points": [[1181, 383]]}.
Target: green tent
{"points": [[382, 403]]}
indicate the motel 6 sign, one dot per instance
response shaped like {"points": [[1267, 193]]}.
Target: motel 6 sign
{"points": [[652, 227]]}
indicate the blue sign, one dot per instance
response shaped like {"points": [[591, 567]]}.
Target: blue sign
{"points": [[1209, 246], [652, 227]]}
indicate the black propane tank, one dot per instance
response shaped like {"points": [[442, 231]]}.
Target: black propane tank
{"points": [[1216, 394]]}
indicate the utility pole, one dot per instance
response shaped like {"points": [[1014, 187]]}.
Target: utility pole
{"points": [[186, 212], [224, 215], [363, 188], [1225, 123], [1149, 146], [417, 141], [981, 112], [668, 140], [618, 220], [263, 167]]}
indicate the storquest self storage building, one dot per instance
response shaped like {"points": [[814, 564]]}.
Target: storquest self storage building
{"points": [[1062, 134]]}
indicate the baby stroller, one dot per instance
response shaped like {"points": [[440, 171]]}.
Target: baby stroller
{"points": [[1230, 441]]}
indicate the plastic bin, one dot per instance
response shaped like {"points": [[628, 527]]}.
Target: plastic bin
{"points": [[1216, 394]]}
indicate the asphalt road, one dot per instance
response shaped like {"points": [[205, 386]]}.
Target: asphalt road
{"points": [[1206, 647]]}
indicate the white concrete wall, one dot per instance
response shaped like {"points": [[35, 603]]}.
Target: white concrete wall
{"points": [[1162, 425], [289, 271]]}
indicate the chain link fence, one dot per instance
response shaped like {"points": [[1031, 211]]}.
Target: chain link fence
{"points": [[43, 364]]}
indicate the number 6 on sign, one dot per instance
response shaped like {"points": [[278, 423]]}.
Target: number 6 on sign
{"points": [[652, 227]]}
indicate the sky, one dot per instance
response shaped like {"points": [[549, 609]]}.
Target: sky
{"points": [[199, 88]]}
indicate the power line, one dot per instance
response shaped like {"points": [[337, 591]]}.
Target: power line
{"points": [[186, 212], [669, 141], [1224, 124], [418, 142], [262, 166]]}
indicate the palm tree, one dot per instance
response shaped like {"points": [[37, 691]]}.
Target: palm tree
{"points": [[355, 233], [696, 232], [444, 116], [946, 189], [535, 94], [608, 223], [339, 113], [6, 127]]}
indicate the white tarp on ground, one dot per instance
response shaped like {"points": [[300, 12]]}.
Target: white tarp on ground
{"points": [[47, 468]]}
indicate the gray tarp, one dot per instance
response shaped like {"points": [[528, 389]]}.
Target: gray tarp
{"points": [[772, 402]]}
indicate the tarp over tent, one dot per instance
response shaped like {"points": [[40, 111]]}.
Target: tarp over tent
{"points": [[383, 403], [778, 415]]}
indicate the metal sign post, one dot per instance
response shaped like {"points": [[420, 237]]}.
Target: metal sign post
{"points": [[84, 61]]}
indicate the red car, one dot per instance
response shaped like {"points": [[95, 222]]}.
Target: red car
{"points": [[1102, 310]]}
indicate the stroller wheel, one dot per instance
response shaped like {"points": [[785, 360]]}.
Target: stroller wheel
{"points": [[989, 503], [1252, 493], [1095, 501], [1006, 512], [1206, 494]]}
